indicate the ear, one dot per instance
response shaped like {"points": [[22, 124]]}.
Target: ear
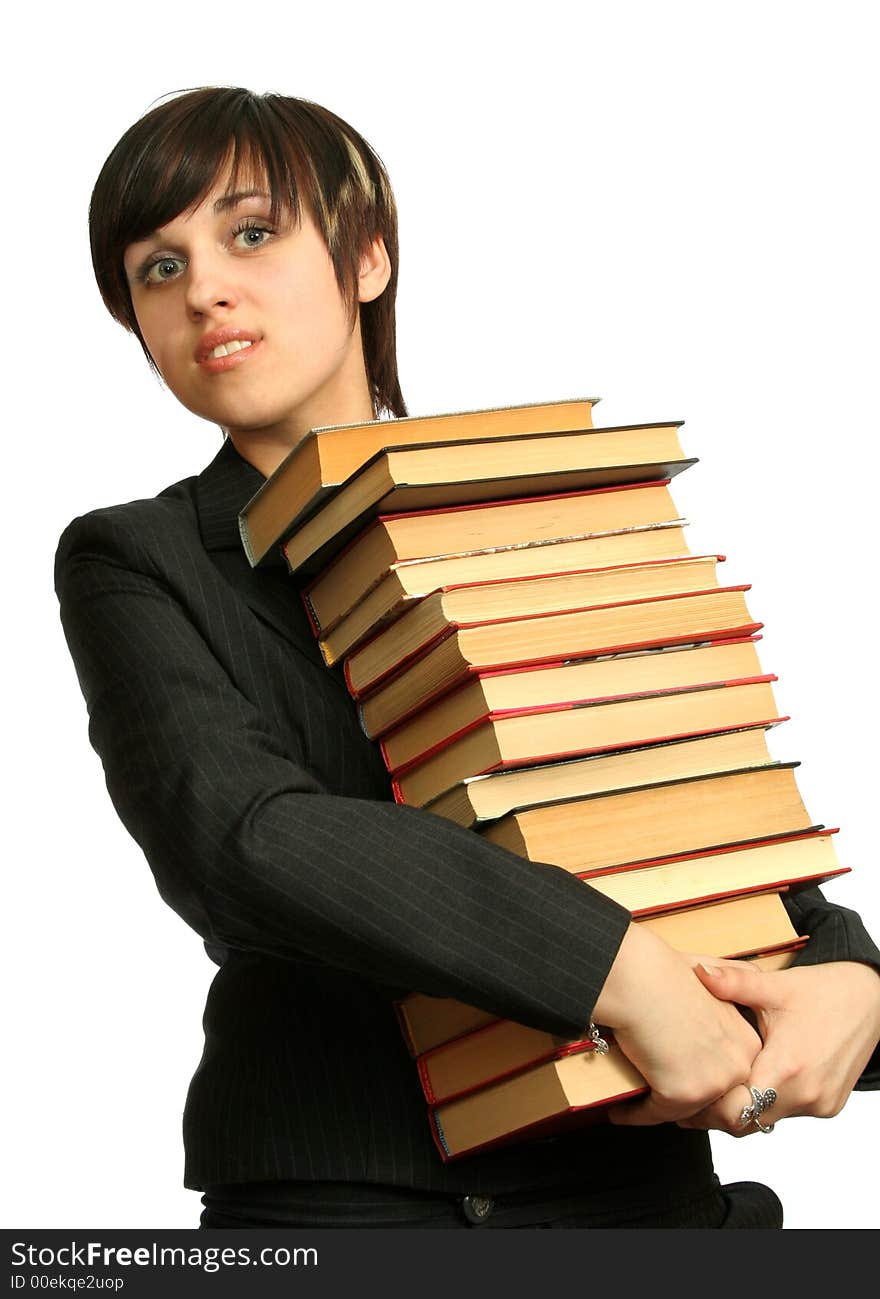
{"points": [[374, 271]]}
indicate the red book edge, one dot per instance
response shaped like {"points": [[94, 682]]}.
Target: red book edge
{"points": [[475, 505], [601, 651], [472, 672], [773, 886], [571, 572], [577, 1046], [549, 758], [451, 627], [564, 706], [408, 602], [574, 1117], [714, 850]]}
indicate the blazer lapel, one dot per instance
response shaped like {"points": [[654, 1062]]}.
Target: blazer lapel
{"points": [[222, 490]]}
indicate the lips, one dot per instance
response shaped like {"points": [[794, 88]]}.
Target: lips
{"points": [[220, 337]]}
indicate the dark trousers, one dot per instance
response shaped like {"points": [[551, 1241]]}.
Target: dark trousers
{"points": [[333, 1204]]}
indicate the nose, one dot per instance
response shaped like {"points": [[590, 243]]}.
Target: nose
{"points": [[210, 283]]}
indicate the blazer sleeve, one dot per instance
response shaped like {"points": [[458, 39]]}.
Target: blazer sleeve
{"points": [[249, 849]]}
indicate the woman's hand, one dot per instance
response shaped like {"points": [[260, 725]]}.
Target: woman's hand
{"points": [[690, 1046], [819, 1025]]}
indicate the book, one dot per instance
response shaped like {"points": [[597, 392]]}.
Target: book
{"points": [[390, 708], [490, 469], [427, 1021], [519, 597], [791, 862], [509, 573], [487, 1056], [574, 1087], [509, 690], [471, 542], [479, 799], [684, 619], [501, 1047], [560, 1094], [582, 727], [630, 826], [739, 927], [328, 455], [724, 902], [411, 581], [754, 925]]}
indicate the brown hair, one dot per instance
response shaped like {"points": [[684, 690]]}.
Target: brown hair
{"points": [[169, 159]]}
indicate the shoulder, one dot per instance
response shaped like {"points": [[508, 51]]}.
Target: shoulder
{"points": [[135, 533]]}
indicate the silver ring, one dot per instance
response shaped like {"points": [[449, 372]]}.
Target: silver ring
{"points": [[761, 1101]]}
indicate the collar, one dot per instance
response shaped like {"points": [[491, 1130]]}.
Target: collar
{"points": [[223, 488]]}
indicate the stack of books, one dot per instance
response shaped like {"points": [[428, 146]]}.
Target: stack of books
{"points": [[540, 658]]}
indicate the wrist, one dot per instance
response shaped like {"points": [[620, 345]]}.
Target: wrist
{"points": [[641, 962]]}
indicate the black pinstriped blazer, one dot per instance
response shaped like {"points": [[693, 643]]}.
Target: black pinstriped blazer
{"points": [[235, 759]]}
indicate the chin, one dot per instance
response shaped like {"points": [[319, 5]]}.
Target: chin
{"points": [[244, 416]]}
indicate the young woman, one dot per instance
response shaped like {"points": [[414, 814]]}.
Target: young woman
{"points": [[250, 244]]}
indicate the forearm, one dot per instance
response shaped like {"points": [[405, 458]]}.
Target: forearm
{"points": [[212, 774], [258, 861], [836, 934]]}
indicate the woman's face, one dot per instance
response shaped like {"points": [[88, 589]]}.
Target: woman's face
{"points": [[221, 273]]}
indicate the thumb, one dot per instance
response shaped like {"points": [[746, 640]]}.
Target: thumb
{"points": [[744, 984], [636, 1113]]}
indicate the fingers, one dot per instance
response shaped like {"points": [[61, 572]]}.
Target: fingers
{"points": [[739, 982], [736, 1112], [657, 1108], [644, 1113]]}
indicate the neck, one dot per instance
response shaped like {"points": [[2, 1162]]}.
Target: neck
{"points": [[265, 449], [345, 399]]}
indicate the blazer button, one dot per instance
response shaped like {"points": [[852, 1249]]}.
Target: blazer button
{"points": [[476, 1208]]}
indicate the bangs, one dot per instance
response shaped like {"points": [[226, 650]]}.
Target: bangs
{"points": [[295, 151], [171, 170]]}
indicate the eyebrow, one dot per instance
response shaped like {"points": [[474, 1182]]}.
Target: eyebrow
{"points": [[227, 201], [222, 204]]}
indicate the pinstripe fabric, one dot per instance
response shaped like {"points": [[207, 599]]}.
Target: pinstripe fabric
{"points": [[234, 758]]}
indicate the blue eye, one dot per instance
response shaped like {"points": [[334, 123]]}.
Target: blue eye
{"points": [[164, 268], [252, 228], [160, 271]]}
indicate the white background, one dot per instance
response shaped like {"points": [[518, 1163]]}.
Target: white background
{"points": [[673, 206]]}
